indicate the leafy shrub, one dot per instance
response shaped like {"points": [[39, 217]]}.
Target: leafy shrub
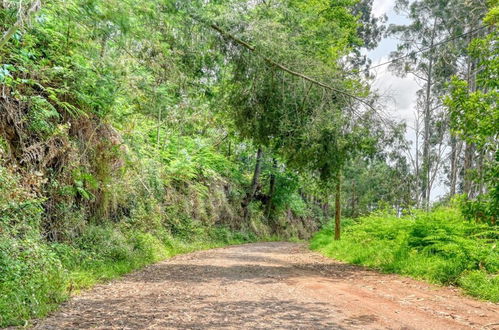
{"points": [[20, 210], [32, 282], [108, 242], [439, 246], [480, 284]]}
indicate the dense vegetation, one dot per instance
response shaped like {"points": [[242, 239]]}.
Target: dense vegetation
{"points": [[134, 130], [441, 247], [450, 47]]}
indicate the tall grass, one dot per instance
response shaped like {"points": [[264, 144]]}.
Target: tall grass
{"points": [[440, 247]]}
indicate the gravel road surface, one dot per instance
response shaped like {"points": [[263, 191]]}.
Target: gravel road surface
{"points": [[268, 286]]}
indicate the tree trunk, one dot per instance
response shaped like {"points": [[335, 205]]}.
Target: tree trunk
{"points": [[480, 168], [353, 201], [453, 166], [468, 165], [416, 185], [426, 141], [268, 208], [469, 150], [325, 210], [337, 215], [426, 188], [254, 183]]}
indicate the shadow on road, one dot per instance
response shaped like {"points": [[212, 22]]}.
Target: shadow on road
{"points": [[166, 272], [174, 312]]}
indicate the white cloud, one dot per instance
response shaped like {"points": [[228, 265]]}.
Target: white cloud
{"points": [[381, 7], [399, 100], [399, 93]]}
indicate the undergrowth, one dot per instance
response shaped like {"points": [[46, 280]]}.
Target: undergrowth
{"points": [[440, 247], [37, 276]]}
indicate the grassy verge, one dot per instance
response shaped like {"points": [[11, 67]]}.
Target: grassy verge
{"points": [[37, 276], [439, 247]]}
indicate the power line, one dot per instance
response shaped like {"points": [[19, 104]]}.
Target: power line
{"points": [[429, 48]]}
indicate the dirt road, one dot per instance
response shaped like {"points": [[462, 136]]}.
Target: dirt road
{"points": [[269, 286]]}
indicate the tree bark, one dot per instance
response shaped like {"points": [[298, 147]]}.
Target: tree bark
{"points": [[417, 170], [480, 168], [353, 201], [254, 183], [426, 188], [325, 210], [453, 166], [469, 150], [268, 208], [337, 215], [468, 165]]}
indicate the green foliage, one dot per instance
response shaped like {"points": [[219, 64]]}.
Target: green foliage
{"points": [[37, 276], [20, 210], [371, 184], [33, 280], [41, 115], [483, 209], [439, 246], [481, 284], [474, 117], [130, 129]]}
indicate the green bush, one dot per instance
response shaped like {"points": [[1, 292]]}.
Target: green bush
{"points": [[481, 284], [36, 275], [20, 210], [33, 280], [439, 246]]}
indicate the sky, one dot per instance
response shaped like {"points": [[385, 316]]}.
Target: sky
{"points": [[399, 93]]}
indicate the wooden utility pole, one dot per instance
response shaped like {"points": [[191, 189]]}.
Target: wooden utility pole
{"points": [[337, 214]]}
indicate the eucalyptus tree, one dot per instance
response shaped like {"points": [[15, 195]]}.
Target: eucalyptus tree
{"points": [[381, 178], [432, 48], [416, 55], [370, 29], [475, 117], [466, 25]]}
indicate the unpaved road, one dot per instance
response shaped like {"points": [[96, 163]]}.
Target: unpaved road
{"points": [[268, 286]]}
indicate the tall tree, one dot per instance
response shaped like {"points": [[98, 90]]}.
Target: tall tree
{"points": [[430, 49], [418, 39], [475, 119]]}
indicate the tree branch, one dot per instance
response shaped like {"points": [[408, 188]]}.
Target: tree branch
{"points": [[271, 62]]}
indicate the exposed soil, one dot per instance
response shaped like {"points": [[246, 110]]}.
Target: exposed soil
{"points": [[269, 286]]}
